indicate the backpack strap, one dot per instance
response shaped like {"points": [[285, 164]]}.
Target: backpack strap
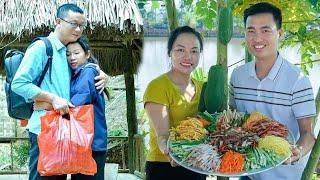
{"points": [[49, 52]]}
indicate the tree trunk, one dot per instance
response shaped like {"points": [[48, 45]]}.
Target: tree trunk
{"points": [[313, 161], [171, 14], [222, 54], [318, 102], [315, 153], [131, 109], [222, 58]]}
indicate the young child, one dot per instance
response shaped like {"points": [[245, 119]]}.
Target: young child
{"points": [[83, 91]]}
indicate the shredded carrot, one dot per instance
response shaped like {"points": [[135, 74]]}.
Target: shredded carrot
{"points": [[203, 122], [231, 162]]}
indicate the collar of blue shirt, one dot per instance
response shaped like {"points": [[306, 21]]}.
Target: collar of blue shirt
{"points": [[273, 72]]}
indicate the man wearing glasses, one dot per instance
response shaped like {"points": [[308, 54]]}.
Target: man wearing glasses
{"points": [[69, 26], [75, 25]]}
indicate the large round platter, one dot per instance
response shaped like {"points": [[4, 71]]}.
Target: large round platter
{"points": [[184, 164]]}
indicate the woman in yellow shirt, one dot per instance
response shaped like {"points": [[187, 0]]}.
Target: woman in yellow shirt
{"points": [[169, 99]]}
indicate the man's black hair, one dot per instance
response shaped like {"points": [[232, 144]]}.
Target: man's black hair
{"points": [[264, 7], [63, 10], [181, 30]]}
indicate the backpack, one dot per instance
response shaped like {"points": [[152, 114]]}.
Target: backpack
{"points": [[17, 107]]}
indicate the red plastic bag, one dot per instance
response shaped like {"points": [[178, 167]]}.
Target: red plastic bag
{"points": [[65, 145]]}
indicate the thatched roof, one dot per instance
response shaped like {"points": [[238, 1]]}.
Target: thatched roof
{"points": [[19, 15], [112, 25]]}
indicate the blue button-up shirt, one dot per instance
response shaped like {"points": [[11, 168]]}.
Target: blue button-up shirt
{"points": [[30, 70], [83, 91]]}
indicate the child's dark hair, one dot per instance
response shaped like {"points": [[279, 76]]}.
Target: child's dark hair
{"points": [[63, 10], [180, 30], [84, 43], [264, 7]]}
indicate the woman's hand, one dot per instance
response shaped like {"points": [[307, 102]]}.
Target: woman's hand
{"points": [[162, 143], [159, 114], [172, 162]]}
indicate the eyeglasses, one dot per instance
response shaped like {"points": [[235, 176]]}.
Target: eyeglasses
{"points": [[75, 25]]}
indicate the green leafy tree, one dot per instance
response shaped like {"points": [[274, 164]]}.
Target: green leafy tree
{"points": [[301, 26]]}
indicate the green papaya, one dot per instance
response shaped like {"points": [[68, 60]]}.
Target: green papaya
{"points": [[225, 27], [202, 106], [214, 95]]}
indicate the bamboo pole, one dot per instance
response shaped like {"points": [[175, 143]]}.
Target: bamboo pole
{"points": [[131, 109], [171, 14]]}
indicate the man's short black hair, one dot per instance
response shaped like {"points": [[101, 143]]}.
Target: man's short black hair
{"points": [[180, 30], [63, 10], [264, 7]]}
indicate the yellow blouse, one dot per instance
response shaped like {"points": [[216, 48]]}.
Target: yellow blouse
{"points": [[163, 91]]}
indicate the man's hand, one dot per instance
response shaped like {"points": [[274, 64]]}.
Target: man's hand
{"points": [[295, 156], [42, 105], [102, 80], [61, 105], [305, 142]]}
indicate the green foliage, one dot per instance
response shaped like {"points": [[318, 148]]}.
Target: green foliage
{"points": [[297, 13], [109, 89], [300, 24], [141, 4], [314, 177], [199, 74], [143, 120], [155, 4], [5, 154], [309, 41], [317, 7], [116, 132], [20, 153], [313, 2], [204, 11]]}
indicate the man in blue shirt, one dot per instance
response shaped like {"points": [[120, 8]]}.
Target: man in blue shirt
{"points": [[70, 23]]}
